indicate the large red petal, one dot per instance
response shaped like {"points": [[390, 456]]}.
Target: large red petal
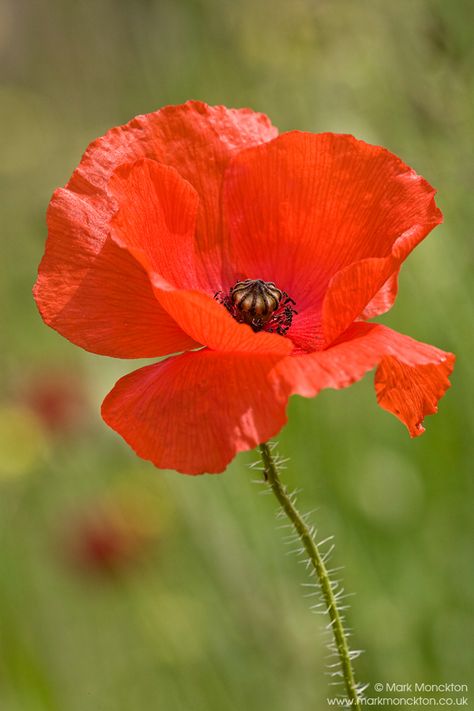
{"points": [[196, 139], [81, 264], [305, 206], [410, 379], [194, 412], [155, 223], [95, 293]]}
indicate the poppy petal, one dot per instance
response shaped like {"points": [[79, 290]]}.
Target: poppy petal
{"points": [[96, 294], [195, 411], [209, 323], [412, 392], [303, 207], [383, 299], [156, 218], [155, 223], [358, 289], [195, 139], [410, 379], [92, 292]]}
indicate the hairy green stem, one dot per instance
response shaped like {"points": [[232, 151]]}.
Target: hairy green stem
{"points": [[317, 561]]}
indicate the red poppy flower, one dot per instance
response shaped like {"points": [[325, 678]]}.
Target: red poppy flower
{"points": [[57, 398], [161, 220], [108, 537]]}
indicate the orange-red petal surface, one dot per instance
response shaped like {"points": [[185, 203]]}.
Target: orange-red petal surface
{"points": [[194, 412], [304, 207], [383, 299], [410, 379], [155, 222], [196, 139], [208, 322], [368, 287], [81, 264], [412, 392], [95, 293]]}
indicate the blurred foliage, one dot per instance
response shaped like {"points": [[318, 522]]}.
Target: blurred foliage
{"points": [[193, 624]]}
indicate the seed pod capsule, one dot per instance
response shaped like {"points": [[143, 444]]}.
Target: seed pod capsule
{"points": [[256, 300]]}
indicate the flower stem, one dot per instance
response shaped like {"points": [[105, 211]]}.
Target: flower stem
{"points": [[317, 561]]}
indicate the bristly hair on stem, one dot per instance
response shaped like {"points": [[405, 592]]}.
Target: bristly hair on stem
{"points": [[329, 595]]}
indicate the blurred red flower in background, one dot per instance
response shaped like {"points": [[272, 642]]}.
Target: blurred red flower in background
{"points": [[161, 220], [57, 398], [110, 535]]}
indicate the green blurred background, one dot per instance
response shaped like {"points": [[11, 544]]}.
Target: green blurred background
{"points": [[123, 587]]}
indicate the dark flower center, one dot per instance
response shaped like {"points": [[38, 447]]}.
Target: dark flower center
{"points": [[260, 304]]}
